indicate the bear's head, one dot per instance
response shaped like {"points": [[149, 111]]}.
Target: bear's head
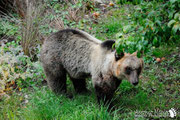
{"points": [[128, 66]]}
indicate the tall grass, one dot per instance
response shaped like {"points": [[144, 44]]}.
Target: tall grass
{"points": [[30, 28], [44, 105]]}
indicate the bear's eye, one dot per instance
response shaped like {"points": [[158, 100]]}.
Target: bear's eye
{"points": [[128, 70]]}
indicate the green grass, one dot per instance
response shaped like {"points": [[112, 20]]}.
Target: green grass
{"points": [[111, 25], [43, 104]]}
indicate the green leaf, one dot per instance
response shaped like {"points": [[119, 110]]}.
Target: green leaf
{"points": [[172, 1], [119, 35], [171, 22], [126, 28], [155, 41], [176, 16], [151, 13], [158, 22], [176, 27]]}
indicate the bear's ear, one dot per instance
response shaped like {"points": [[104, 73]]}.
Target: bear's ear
{"points": [[118, 56], [108, 44], [134, 54]]}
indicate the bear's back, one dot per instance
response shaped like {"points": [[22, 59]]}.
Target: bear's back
{"points": [[70, 48]]}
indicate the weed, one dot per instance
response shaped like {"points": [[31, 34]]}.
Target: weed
{"points": [[30, 29]]}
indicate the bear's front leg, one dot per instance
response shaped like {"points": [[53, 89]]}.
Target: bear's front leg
{"points": [[104, 94], [104, 88]]}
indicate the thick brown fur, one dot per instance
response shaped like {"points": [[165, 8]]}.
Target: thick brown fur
{"points": [[77, 54]]}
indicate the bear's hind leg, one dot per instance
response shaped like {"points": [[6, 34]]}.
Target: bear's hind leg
{"points": [[79, 85]]}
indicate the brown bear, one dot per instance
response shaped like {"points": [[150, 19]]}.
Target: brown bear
{"points": [[76, 53]]}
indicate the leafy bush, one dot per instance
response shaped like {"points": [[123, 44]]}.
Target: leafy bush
{"points": [[175, 23], [7, 28], [16, 69], [149, 25]]}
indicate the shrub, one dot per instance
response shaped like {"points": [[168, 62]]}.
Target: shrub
{"points": [[149, 25], [16, 69]]}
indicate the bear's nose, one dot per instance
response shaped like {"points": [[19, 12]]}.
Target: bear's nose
{"points": [[135, 83]]}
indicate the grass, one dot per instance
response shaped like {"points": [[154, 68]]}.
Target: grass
{"points": [[111, 25], [43, 104]]}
